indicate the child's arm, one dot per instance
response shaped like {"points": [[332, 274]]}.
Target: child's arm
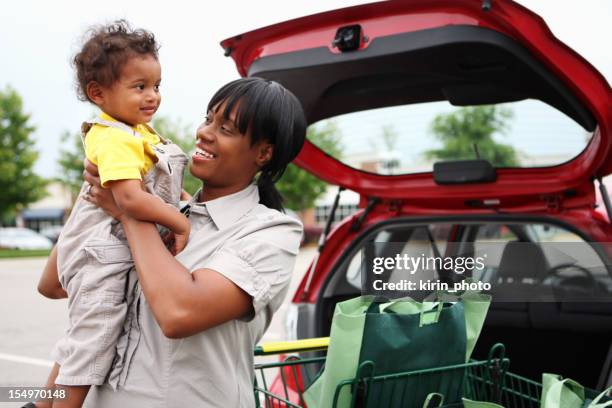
{"points": [[49, 284], [141, 205]]}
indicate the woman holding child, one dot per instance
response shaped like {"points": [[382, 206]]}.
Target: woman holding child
{"points": [[192, 319]]}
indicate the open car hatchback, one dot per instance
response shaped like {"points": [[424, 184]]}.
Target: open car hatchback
{"points": [[370, 73]]}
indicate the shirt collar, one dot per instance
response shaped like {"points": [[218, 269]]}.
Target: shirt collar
{"points": [[226, 210], [105, 116]]}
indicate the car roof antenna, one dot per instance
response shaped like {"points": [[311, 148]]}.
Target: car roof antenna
{"points": [[606, 198], [322, 241]]}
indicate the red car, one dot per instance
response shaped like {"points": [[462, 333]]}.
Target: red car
{"points": [[378, 63]]}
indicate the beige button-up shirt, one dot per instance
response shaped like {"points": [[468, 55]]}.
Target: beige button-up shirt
{"points": [[253, 246]]}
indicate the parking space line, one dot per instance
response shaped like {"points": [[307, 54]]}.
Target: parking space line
{"points": [[26, 360]]}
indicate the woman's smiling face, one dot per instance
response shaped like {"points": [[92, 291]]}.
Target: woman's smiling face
{"points": [[224, 158]]}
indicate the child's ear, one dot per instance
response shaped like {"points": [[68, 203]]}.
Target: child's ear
{"points": [[264, 153], [95, 93]]}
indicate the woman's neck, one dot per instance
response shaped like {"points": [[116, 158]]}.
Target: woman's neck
{"points": [[208, 193]]}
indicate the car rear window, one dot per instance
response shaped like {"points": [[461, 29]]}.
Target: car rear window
{"points": [[410, 139]]}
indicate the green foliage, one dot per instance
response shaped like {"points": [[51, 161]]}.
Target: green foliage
{"points": [[19, 184], [24, 253], [71, 162], [300, 189], [390, 137], [461, 130], [184, 136]]}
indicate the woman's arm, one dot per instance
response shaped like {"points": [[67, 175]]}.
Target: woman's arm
{"points": [[183, 303], [143, 206], [49, 284]]}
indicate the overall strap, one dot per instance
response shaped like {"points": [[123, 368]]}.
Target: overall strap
{"points": [[152, 130], [87, 125], [114, 124]]}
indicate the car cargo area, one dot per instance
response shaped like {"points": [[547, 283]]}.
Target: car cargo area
{"points": [[568, 337]]}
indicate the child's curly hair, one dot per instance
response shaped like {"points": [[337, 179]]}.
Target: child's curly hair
{"points": [[106, 50]]}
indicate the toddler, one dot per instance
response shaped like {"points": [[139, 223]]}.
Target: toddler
{"points": [[117, 70]]}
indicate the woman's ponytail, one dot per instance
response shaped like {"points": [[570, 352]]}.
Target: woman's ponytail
{"points": [[268, 194]]}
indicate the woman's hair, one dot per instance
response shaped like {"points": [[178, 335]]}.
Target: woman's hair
{"points": [[267, 111], [106, 50]]}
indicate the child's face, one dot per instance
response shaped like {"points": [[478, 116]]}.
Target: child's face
{"points": [[134, 97]]}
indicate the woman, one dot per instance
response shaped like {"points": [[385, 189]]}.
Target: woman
{"points": [[195, 319]]}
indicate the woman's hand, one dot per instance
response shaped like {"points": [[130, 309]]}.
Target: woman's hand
{"points": [[97, 195], [49, 284]]}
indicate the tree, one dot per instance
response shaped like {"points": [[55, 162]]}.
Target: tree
{"points": [[461, 131], [299, 188], [389, 160], [389, 136], [71, 162], [72, 154], [18, 182]]}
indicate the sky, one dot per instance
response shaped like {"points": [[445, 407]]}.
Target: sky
{"points": [[38, 38]]}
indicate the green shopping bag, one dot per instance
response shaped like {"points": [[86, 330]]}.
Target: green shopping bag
{"points": [[567, 393], [468, 403], [399, 336], [436, 400]]}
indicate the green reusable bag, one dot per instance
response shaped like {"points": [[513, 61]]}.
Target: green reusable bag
{"points": [[567, 393], [436, 400], [398, 336], [468, 403]]}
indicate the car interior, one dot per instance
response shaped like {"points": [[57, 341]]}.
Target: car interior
{"points": [[544, 308]]}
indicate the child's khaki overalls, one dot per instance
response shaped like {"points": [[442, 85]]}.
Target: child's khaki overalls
{"points": [[95, 269]]}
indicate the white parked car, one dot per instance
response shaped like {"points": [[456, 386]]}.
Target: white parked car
{"points": [[23, 238], [52, 232]]}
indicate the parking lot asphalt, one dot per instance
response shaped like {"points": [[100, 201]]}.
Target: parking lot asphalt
{"points": [[31, 324]]}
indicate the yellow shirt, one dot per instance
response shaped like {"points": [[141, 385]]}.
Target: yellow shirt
{"points": [[118, 154]]}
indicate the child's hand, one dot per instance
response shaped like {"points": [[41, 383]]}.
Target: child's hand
{"points": [[181, 237], [180, 241]]}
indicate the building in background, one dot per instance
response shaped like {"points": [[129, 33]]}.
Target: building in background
{"points": [[48, 212]]}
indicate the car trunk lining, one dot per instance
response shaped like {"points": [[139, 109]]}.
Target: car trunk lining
{"points": [[465, 65]]}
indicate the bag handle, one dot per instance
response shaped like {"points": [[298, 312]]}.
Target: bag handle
{"points": [[596, 404], [433, 400], [554, 395], [431, 316], [410, 305], [429, 311]]}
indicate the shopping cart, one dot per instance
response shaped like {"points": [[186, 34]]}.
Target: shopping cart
{"points": [[281, 384]]}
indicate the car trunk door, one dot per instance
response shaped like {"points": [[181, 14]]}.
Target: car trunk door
{"points": [[420, 51]]}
